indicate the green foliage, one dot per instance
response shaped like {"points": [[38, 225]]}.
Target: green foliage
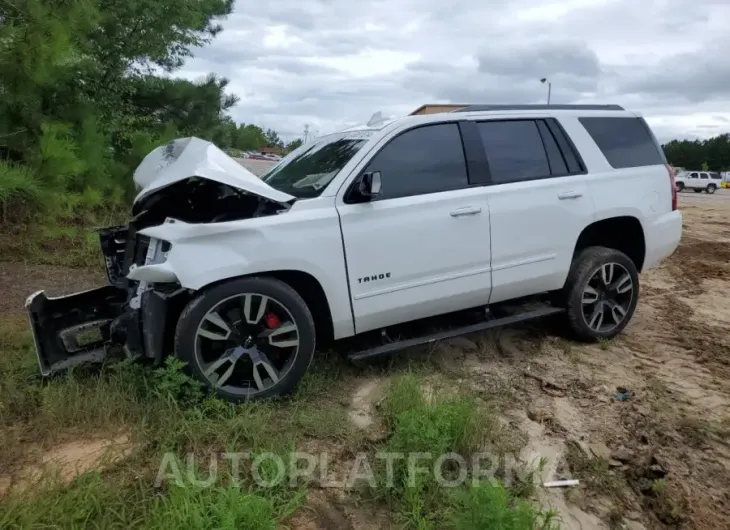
{"points": [[294, 144], [712, 154], [272, 138], [82, 103], [18, 180], [227, 508], [423, 420], [171, 382], [487, 505], [123, 502]]}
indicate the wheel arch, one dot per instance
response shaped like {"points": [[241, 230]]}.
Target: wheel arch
{"points": [[624, 233], [309, 288]]}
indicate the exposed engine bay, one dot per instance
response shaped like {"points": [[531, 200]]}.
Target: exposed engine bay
{"points": [[138, 318]]}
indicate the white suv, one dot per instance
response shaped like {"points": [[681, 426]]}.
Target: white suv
{"points": [[699, 181], [399, 231]]}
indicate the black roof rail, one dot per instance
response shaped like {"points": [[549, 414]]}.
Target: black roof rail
{"points": [[476, 108]]}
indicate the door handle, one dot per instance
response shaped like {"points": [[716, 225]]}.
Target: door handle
{"points": [[570, 195], [469, 210]]}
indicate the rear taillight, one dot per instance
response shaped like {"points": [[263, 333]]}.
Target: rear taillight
{"points": [[674, 187]]}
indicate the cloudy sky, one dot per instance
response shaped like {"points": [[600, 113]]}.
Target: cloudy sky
{"points": [[333, 63]]}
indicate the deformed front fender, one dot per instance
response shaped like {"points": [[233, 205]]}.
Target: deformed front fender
{"points": [[202, 254]]}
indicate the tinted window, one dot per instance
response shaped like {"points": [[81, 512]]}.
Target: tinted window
{"points": [[693, 175], [514, 150], [307, 173], [575, 165], [422, 160], [555, 157], [704, 176], [715, 176], [625, 142]]}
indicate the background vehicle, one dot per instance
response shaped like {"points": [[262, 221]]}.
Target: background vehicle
{"points": [[399, 232], [698, 181]]}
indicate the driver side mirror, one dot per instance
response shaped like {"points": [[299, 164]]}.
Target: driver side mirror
{"points": [[370, 184]]}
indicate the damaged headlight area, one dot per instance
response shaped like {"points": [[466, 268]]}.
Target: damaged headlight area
{"points": [[136, 313]]}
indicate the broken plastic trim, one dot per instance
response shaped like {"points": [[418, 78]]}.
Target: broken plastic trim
{"points": [[57, 322]]}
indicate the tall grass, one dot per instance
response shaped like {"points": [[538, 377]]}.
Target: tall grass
{"points": [[162, 411], [429, 422]]}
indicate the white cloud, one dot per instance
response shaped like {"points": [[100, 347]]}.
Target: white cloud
{"points": [[331, 63]]}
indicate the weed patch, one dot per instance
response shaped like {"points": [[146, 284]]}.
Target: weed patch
{"points": [[430, 424]]}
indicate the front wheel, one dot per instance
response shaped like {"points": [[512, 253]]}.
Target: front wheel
{"points": [[601, 293], [248, 338], [711, 188]]}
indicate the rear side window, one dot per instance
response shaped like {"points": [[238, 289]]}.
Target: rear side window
{"points": [[625, 142], [704, 176], [555, 157], [523, 149], [715, 176], [515, 150], [423, 160]]}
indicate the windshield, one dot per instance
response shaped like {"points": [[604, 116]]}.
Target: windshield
{"points": [[308, 170]]}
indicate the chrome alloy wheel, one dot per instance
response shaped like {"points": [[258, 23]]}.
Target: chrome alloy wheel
{"points": [[607, 297], [246, 344]]}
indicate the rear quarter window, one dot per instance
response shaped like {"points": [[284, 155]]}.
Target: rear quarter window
{"points": [[625, 142]]}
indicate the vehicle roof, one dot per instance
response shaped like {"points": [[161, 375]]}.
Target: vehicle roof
{"points": [[509, 111], [476, 111]]}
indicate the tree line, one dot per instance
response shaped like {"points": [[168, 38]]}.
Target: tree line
{"points": [[85, 94], [712, 154]]}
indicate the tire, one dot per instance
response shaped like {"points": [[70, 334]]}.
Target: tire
{"points": [[697, 190], [586, 272], [680, 186], [250, 354], [711, 188]]}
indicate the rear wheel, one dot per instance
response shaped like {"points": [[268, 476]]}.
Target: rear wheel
{"points": [[248, 338], [711, 188], [680, 186], [601, 293]]}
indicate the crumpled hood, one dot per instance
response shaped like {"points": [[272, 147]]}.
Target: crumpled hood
{"points": [[192, 157]]}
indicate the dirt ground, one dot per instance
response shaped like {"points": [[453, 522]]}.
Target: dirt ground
{"points": [[642, 421], [660, 458]]}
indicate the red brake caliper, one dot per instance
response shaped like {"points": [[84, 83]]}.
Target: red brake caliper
{"points": [[273, 322]]}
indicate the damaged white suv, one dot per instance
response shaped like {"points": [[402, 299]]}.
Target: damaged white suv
{"points": [[399, 232]]}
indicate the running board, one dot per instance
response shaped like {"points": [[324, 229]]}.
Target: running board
{"points": [[393, 347]]}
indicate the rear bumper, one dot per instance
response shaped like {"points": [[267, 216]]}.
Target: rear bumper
{"points": [[662, 235]]}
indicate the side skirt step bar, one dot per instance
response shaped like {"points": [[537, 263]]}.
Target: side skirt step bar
{"points": [[393, 347]]}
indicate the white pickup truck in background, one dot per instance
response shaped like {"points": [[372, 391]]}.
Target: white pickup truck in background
{"points": [[699, 181]]}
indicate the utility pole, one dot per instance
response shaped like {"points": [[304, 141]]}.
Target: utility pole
{"points": [[306, 133], [550, 86]]}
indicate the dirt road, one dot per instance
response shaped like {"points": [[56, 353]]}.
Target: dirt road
{"points": [[721, 196]]}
